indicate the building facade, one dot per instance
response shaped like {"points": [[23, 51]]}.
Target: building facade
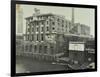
{"points": [[45, 33]]}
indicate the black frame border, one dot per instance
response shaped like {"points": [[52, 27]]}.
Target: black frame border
{"points": [[13, 36]]}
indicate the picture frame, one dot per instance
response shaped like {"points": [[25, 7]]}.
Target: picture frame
{"points": [[75, 43]]}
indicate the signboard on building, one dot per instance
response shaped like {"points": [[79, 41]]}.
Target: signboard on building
{"points": [[76, 46]]}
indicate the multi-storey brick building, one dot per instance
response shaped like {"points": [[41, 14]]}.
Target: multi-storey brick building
{"points": [[46, 33]]}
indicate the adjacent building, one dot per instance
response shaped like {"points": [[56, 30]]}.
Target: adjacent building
{"points": [[19, 29], [19, 20]]}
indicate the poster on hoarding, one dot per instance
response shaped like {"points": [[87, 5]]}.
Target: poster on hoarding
{"points": [[76, 46]]}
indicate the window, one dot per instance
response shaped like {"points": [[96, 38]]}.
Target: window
{"points": [[42, 37], [47, 28], [27, 37], [66, 26], [38, 17], [22, 48], [33, 24], [62, 25], [52, 50], [45, 49], [37, 37], [26, 48], [28, 29], [32, 37], [40, 48], [35, 48], [58, 20], [41, 17], [31, 19], [62, 21], [37, 23], [58, 23], [47, 22], [42, 29], [32, 29], [30, 50], [53, 28], [37, 29], [42, 23], [53, 23]]}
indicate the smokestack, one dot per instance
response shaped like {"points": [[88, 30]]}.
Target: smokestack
{"points": [[72, 16]]}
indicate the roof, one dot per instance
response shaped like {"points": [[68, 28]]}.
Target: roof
{"points": [[85, 36], [47, 14]]}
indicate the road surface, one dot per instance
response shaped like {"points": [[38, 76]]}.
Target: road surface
{"points": [[25, 64]]}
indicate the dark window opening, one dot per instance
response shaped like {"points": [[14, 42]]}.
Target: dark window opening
{"points": [[30, 50], [47, 28], [40, 48], [35, 48], [45, 49], [37, 37], [62, 21], [47, 22], [42, 23], [52, 50], [58, 20], [62, 25], [26, 48], [27, 37], [32, 29], [53, 28], [53, 23], [33, 37], [37, 29], [42, 37], [42, 29], [28, 29]]}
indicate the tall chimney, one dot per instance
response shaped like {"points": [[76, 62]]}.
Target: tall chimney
{"points": [[72, 16]]}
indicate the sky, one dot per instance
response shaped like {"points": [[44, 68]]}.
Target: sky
{"points": [[82, 15]]}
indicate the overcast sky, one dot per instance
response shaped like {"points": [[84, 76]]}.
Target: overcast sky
{"points": [[82, 15]]}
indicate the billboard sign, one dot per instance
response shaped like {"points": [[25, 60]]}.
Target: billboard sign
{"points": [[76, 46]]}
